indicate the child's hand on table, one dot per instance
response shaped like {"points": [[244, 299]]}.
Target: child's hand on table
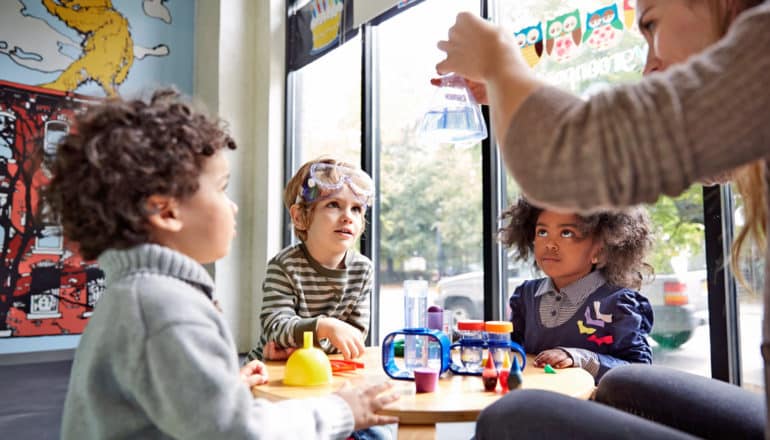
{"points": [[254, 373], [365, 401], [272, 352], [343, 336], [556, 357]]}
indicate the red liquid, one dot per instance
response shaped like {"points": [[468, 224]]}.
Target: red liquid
{"points": [[504, 380]]}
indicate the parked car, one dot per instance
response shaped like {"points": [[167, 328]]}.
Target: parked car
{"points": [[679, 301]]}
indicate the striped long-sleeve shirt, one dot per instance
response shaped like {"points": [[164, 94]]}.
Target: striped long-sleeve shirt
{"points": [[298, 290]]}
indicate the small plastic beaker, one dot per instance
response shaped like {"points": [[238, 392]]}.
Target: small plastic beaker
{"points": [[499, 340], [471, 344], [500, 344], [453, 116]]}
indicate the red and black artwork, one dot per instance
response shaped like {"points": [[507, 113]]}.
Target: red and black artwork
{"points": [[46, 288]]}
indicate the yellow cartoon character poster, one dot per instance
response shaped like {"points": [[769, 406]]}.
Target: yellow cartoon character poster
{"points": [[56, 58], [97, 47]]}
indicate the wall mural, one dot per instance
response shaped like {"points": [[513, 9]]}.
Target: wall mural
{"points": [[580, 45], [56, 58]]}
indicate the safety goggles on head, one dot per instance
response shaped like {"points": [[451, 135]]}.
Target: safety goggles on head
{"points": [[326, 180]]}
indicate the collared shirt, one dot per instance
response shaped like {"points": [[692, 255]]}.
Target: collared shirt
{"points": [[557, 306]]}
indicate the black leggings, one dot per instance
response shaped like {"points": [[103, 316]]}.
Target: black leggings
{"points": [[672, 405]]}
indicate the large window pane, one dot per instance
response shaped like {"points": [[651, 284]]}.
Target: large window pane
{"points": [[327, 106], [585, 47], [431, 212]]}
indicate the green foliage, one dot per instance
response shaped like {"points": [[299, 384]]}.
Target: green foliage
{"points": [[431, 199], [678, 224], [432, 203]]}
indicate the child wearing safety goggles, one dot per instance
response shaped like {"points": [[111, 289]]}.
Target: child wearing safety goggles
{"points": [[321, 284]]}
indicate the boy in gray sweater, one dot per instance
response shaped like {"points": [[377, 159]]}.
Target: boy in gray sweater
{"points": [[142, 187]]}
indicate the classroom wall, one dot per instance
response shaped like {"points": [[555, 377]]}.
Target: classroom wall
{"points": [[240, 75]]}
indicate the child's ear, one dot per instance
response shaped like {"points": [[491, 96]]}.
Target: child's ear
{"points": [[298, 217], [598, 257], [164, 213]]}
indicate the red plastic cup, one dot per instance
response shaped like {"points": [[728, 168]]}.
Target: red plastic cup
{"points": [[425, 379]]}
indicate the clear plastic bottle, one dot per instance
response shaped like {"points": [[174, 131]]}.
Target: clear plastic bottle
{"points": [[499, 340], [415, 316], [471, 344]]}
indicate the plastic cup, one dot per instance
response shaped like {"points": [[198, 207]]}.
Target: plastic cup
{"points": [[425, 380]]}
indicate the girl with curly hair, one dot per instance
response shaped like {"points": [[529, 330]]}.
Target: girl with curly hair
{"points": [[587, 312]]}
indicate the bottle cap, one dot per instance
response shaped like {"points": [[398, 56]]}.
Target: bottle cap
{"points": [[499, 326], [471, 325]]}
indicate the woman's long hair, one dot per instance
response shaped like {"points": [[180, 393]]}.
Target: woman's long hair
{"points": [[749, 180]]}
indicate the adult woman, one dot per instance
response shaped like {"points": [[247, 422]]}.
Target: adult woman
{"points": [[628, 145]]}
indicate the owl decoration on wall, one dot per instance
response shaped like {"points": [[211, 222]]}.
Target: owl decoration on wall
{"points": [[604, 28], [629, 13], [563, 36], [530, 41]]}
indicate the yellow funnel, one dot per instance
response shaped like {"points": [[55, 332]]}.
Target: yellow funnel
{"points": [[308, 366]]}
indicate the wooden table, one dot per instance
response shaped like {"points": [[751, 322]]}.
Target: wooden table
{"points": [[457, 399]]}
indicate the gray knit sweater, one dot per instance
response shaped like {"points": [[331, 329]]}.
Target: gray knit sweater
{"points": [[632, 144], [157, 360]]}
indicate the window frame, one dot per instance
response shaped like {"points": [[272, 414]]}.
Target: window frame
{"points": [[717, 207]]}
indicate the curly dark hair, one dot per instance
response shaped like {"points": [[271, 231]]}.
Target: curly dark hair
{"points": [[626, 235], [122, 152]]}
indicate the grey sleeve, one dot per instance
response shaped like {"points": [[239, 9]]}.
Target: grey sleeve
{"points": [[585, 359], [191, 371], [633, 143]]}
